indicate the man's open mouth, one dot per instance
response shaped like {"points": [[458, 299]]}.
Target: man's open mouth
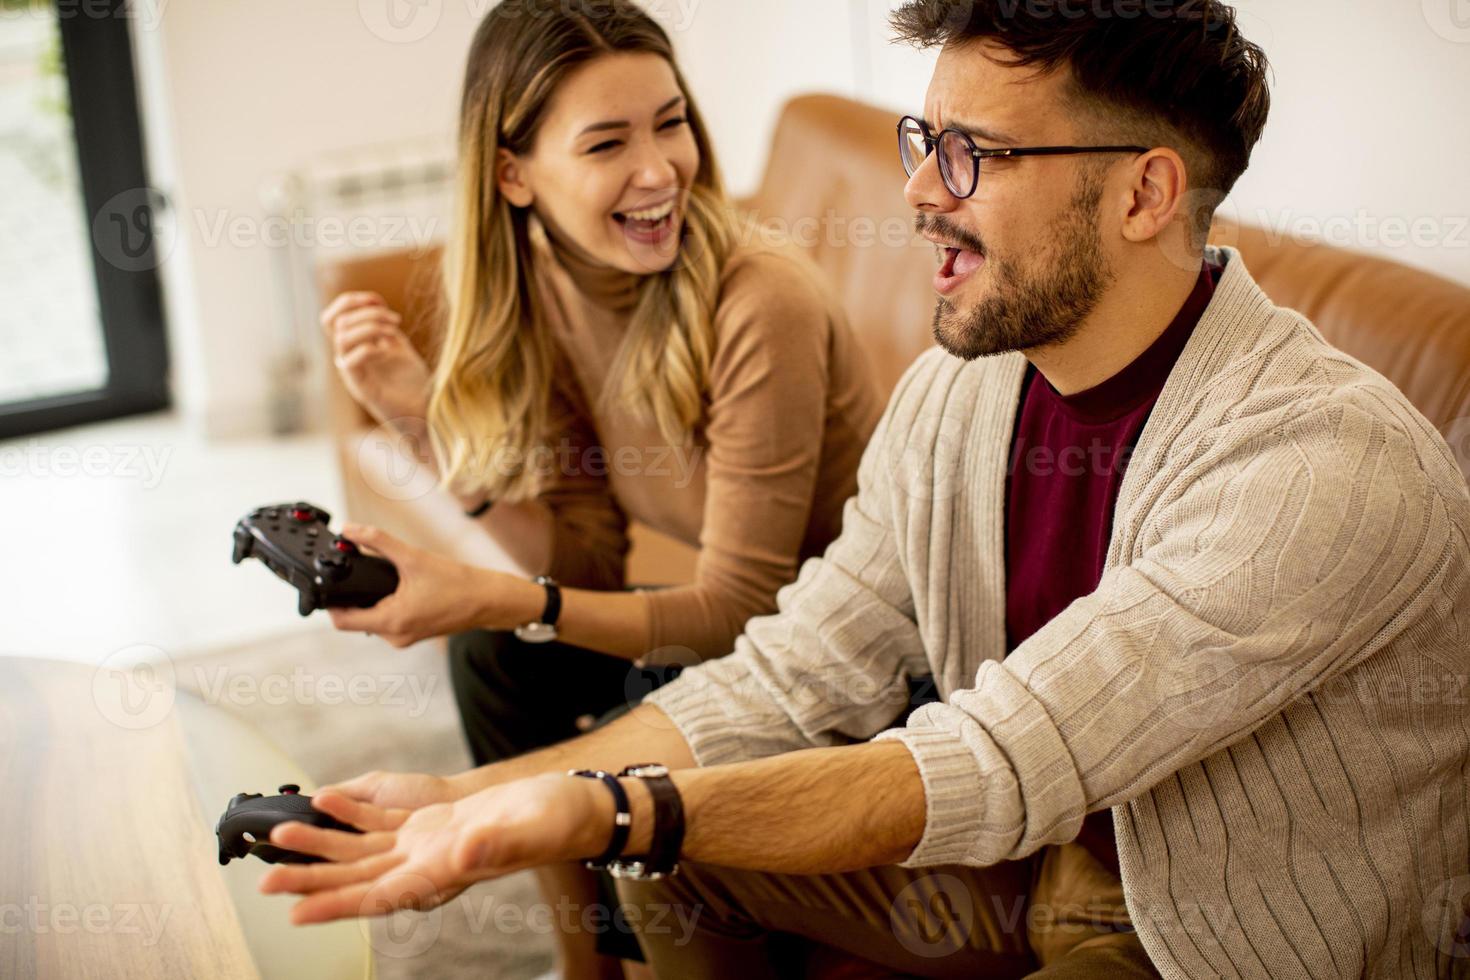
{"points": [[956, 265]]}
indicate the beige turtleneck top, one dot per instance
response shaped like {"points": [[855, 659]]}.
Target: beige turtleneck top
{"points": [[760, 489]]}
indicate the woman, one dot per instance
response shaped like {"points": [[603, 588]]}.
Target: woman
{"points": [[611, 353]]}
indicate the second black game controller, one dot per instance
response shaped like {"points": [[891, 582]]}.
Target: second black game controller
{"points": [[245, 828], [294, 541]]}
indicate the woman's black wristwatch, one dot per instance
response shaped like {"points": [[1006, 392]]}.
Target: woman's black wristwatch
{"points": [[543, 631], [662, 859]]}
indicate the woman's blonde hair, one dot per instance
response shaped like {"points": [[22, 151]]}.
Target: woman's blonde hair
{"points": [[489, 408]]}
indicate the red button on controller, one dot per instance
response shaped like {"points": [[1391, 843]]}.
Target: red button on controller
{"points": [[304, 516], [346, 547]]}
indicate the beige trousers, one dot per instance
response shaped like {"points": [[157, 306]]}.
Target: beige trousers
{"points": [[1057, 915]]}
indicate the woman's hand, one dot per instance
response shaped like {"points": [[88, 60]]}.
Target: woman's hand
{"points": [[436, 596], [378, 364], [422, 860]]}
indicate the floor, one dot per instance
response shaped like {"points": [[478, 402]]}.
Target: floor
{"points": [[118, 536]]}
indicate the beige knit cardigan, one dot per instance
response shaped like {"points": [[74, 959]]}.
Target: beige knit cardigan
{"points": [[1268, 685]]}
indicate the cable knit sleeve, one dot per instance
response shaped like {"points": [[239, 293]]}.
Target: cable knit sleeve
{"points": [[833, 665], [764, 426], [1290, 556]]}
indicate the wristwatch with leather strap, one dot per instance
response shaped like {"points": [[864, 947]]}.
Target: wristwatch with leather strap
{"points": [[662, 859], [544, 630]]}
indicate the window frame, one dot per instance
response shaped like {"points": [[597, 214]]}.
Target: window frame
{"points": [[97, 54]]}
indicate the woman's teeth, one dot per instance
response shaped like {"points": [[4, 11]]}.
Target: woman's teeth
{"points": [[651, 226], [651, 214]]}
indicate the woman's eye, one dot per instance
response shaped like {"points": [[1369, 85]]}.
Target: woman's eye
{"points": [[674, 123], [604, 147]]}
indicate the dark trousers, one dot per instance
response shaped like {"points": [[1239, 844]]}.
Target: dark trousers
{"points": [[515, 697]]}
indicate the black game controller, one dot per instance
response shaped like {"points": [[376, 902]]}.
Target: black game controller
{"points": [[246, 826], [294, 542]]}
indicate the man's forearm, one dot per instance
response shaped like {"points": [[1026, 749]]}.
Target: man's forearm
{"points": [[817, 811], [645, 734]]}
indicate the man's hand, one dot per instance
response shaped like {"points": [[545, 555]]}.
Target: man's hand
{"points": [[424, 858], [436, 596], [400, 790]]}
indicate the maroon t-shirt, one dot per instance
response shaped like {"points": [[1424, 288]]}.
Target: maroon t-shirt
{"points": [[1068, 457]]}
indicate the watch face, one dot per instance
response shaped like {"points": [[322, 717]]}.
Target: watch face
{"points": [[638, 871], [653, 769], [536, 633]]}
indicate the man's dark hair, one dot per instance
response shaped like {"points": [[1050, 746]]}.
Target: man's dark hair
{"points": [[1150, 72]]}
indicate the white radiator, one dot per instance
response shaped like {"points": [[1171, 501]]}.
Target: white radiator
{"points": [[373, 199]]}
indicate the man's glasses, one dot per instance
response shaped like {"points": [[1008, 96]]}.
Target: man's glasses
{"points": [[959, 157]]}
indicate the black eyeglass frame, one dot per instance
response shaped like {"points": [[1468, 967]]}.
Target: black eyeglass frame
{"points": [[931, 141]]}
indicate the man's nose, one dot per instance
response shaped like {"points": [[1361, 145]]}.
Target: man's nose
{"points": [[926, 190]]}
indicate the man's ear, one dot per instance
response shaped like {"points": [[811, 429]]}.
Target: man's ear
{"points": [[510, 177], [1160, 182]]}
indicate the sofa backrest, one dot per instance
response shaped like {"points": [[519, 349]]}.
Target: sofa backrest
{"points": [[834, 164], [833, 185]]}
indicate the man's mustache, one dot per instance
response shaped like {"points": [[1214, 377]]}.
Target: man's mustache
{"points": [[944, 228]]}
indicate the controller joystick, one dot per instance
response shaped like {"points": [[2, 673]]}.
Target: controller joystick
{"points": [[295, 542], [245, 828]]}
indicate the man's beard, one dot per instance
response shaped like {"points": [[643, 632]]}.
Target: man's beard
{"points": [[1043, 308]]}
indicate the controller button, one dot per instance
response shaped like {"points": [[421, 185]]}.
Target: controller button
{"points": [[344, 546], [303, 515], [312, 532], [290, 789]]}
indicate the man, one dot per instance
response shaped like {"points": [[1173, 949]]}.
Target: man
{"points": [[1168, 556]]}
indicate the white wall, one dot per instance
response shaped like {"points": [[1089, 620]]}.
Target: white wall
{"points": [[1368, 137], [235, 93], [1369, 133], [1367, 146]]}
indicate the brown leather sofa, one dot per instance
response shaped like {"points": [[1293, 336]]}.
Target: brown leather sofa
{"points": [[833, 186]]}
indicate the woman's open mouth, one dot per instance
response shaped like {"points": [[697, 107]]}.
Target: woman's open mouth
{"points": [[651, 226], [957, 264]]}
